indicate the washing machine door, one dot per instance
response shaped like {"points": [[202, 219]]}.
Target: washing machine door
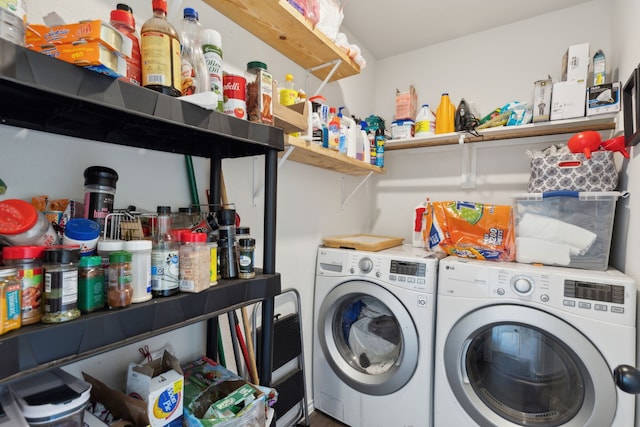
{"points": [[515, 365], [368, 337]]}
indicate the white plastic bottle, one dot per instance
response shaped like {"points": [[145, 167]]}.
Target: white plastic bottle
{"points": [[195, 76], [212, 50], [425, 122]]}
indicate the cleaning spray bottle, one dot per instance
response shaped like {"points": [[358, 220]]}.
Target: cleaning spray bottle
{"points": [[342, 141], [364, 143], [351, 133], [419, 224]]}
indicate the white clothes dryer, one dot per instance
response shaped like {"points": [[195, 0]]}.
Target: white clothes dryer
{"points": [[373, 336], [519, 344]]}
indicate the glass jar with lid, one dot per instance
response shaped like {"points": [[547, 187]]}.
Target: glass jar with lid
{"points": [[60, 265], [28, 261], [120, 289], [10, 317]]}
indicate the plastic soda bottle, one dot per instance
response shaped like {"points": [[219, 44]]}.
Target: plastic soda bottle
{"points": [[445, 115], [160, 51], [194, 72]]}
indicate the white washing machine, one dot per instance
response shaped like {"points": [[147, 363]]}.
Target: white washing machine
{"points": [[373, 336], [518, 344]]}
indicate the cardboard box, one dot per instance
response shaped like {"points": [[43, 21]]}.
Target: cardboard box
{"points": [[575, 63], [92, 30], [89, 54], [604, 98], [568, 100], [542, 100], [160, 384], [406, 104]]}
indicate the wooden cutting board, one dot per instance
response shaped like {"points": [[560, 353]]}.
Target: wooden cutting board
{"points": [[363, 242]]}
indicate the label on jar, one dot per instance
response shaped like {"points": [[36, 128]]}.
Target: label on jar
{"points": [[31, 279], [165, 270], [97, 206], [60, 291], [10, 309]]}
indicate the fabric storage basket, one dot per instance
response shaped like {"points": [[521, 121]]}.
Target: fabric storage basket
{"points": [[574, 172], [565, 228]]}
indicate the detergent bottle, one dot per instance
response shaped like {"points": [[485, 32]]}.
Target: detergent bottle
{"points": [[445, 115], [364, 143], [333, 129], [342, 139], [425, 122]]}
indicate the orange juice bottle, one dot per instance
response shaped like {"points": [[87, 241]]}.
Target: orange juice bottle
{"points": [[445, 115]]}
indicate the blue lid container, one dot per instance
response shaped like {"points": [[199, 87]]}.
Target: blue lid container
{"points": [[82, 229]]}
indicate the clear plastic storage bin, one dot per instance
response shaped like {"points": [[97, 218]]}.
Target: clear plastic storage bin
{"points": [[565, 228]]}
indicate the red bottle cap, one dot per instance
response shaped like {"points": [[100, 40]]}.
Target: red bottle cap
{"points": [[159, 5], [16, 216], [124, 17], [194, 237], [22, 252]]}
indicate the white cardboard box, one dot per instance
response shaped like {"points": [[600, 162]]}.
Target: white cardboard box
{"points": [[568, 100], [575, 63], [160, 383], [604, 98]]}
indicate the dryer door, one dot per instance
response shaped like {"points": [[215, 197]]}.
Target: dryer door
{"points": [[368, 337], [515, 365]]}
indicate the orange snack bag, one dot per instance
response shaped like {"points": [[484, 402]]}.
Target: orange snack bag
{"points": [[470, 230]]}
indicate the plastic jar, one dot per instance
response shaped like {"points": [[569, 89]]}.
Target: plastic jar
{"points": [[22, 225], [140, 269], [28, 262], [120, 291], [99, 193], [60, 284], [228, 259], [195, 257], [90, 284], [82, 232], [259, 93], [246, 250], [10, 317]]}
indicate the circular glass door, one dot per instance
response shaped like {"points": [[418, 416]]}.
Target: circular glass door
{"points": [[368, 337], [514, 365]]}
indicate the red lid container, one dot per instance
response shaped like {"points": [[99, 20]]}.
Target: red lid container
{"points": [[16, 216]]}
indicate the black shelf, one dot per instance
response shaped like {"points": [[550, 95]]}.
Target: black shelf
{"points": [[50, 95], [41, 346]]}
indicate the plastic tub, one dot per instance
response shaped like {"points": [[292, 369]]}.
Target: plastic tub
{"points": [[52, 399], [565, 228]]}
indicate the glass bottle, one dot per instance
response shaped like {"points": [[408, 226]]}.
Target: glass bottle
{"points": [[194, 72], [160, 51], [165, 256]]}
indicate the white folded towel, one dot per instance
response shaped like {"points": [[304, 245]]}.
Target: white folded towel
{"points": [[553, 230], [531, 250]]}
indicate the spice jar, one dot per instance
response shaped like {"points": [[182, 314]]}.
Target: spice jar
{"points": [[120, 291], [10, 317], [60, 284], [90, 284], [106, 248], [228, 259], [195, 264], [99, 193], [82, 232], [246, 249], [21, 224], [28, 262]]}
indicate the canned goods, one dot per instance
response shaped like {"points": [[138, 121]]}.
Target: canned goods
{"points": [[235, 95]]}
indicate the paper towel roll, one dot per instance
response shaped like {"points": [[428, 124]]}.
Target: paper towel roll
{"points": [[553, 230]]}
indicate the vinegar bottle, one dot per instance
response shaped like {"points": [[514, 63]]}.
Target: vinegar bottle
{"points": [[195, 75], [445, 115], [165, 257], [160, 50]]}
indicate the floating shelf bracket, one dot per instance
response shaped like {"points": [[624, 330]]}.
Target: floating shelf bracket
{"points": [[342, 190], [468, 165], [336, 63]]}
